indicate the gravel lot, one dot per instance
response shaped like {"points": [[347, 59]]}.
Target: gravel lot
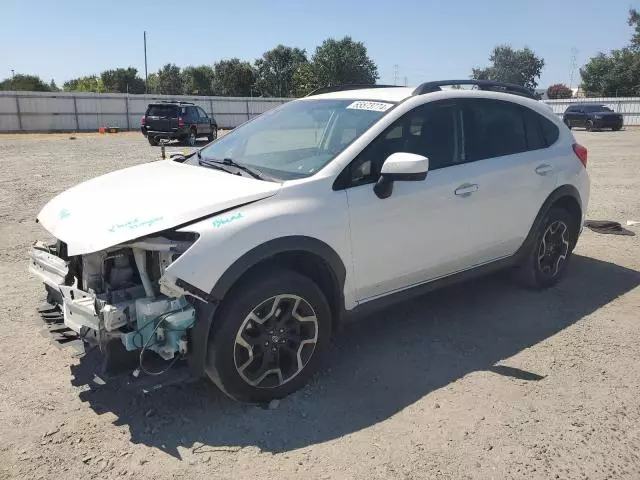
{"points": [[482, 380]]}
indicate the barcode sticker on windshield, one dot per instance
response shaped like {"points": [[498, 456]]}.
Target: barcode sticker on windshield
{"points": [[372, 106]]}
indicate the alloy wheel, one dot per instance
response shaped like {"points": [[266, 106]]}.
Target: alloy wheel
{"points": [[276, 341], [553, 248]]}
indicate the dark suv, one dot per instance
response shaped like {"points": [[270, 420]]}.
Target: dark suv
{"points": [[592, 116], [182, 121]]}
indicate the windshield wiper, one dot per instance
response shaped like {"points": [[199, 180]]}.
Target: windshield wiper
{"points": [[255, 173], [213, 164]]}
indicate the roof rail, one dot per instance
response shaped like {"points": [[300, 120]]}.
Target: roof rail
{"points": [[343, 88], [491, 85]]}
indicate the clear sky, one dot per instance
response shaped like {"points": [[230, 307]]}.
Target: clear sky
{"points": [[427, 39]]}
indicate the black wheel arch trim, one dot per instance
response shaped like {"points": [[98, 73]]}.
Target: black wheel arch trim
{"points": [[290, 244], [559, 193], [267, 250]]}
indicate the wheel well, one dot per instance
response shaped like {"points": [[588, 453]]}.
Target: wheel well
{"points": [[571, 205], [311, 266]]}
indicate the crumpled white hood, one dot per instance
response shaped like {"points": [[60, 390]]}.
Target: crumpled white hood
{"points": [[141, 200]]}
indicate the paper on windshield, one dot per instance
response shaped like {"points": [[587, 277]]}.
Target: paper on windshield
{"points": [[371, 106]]}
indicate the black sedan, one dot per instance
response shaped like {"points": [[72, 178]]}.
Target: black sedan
{"points": [[592, 117]]}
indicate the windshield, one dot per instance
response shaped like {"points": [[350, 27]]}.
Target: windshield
{"points": [[597, 108], [298, 138]]}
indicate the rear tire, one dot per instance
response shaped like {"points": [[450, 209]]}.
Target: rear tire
{"points": [[152, 141], [566, 122], [214, 133], [616, 129], [190, 139], [550, 252], [269, 336], [589, 126]]}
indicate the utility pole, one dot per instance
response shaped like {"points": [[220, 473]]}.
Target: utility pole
{"points": [[13, 79], [146, 77], [574, 56], [396, 74]]}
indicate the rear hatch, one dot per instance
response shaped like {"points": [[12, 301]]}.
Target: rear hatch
{"points": [[162, 118]]}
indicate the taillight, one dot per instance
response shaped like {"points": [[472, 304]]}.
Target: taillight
{"points": [[180, 122], [143, 120], [581, 153]]}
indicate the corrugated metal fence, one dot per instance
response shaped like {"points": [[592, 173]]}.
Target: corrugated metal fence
{"points": [[66, 111], [629, 107]]}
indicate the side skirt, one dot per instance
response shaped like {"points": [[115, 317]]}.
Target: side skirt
{"points": [[423, 288]]}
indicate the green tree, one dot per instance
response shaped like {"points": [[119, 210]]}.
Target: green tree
{"points": [[233, 78], [89, 83], [197, 80], [559, 90], [153, 82], [122, 80], [52, 86], [169, 81], [617, 73], [521, 67], [29, 83], [343, 61], [275, 70], [634, 21], [614, 75], [304, 80]]}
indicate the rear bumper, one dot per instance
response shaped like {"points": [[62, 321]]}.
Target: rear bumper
{"points": [[174, 134]]}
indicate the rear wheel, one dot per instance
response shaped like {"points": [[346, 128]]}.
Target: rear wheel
{"points": [[568, 124], [152, 141], [269, 336], [191, 138], [589, 125], [551, 250], [214, 133], [616, 128]]}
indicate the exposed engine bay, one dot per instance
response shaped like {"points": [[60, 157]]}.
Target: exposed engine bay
{"points": [[120, 295]]}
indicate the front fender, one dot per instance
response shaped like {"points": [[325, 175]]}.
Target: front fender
{"points": [[230, 243]]}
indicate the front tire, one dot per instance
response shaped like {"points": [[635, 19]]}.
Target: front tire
{"points": [[549, 254], [269, 336]]}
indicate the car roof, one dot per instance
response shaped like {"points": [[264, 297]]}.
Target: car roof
{"points": [[587, 104], [388, 94], [171, 104], [398, 94]]}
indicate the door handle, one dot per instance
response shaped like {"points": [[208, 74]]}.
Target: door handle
{"points": [[466, 189], [544, 169]]}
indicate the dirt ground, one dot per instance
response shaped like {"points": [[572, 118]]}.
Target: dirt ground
{"points": [[483, 380]]}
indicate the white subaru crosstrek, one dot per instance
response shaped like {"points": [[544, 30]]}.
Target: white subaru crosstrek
{"points": [[242, 257]]}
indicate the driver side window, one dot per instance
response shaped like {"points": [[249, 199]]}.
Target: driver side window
{"points": [[428, 130]]}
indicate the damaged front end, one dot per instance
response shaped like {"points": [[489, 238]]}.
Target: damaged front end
{"points": [[119, 300]]}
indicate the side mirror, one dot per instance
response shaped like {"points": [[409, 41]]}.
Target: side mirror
{"points": [[403, 167]]}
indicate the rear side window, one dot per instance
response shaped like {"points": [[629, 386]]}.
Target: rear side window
{"points": [[165, 111], [550, 130], [493, 128], [533, 130]]}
